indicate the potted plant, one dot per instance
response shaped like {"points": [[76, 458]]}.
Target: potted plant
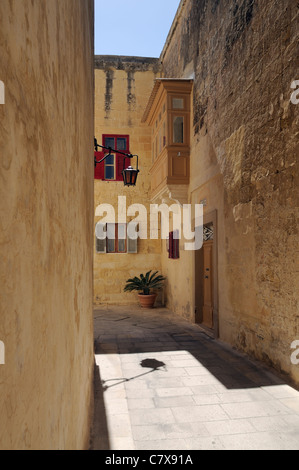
{"points": [[144, 284]]}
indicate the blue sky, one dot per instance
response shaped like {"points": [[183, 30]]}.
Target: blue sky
{"points": [[133, 27]]}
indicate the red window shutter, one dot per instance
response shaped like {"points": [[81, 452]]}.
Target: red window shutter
{"points": [[170, 245], [174, 246], [100, 168], [121, 163]]}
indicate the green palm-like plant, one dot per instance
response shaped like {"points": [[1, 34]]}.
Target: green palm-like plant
{"points": [[145, 283]]}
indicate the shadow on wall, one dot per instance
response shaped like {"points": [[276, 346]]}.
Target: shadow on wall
{"points": [[100, 434]]}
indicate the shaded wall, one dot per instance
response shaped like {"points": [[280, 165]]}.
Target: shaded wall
{"points": [[243, 56], [46, 201]]}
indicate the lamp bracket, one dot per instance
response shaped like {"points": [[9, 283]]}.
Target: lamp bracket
{"points": [[111, 150]]}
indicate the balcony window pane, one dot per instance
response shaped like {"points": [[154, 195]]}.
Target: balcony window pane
{"points": [[160, 141], [178, 130], [178, 103]]}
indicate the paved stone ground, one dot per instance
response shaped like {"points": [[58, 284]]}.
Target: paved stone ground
{"points": [[162, 383]]}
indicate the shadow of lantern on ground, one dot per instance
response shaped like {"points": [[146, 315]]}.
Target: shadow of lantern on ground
{"points": [[152, 364]]}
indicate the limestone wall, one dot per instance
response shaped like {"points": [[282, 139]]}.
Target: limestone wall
{"points": [[46, 203], [122, 88], [243, 56]]}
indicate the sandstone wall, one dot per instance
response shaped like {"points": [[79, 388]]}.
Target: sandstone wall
{"points": [[122, 88], [46, 202], [243, 56]]}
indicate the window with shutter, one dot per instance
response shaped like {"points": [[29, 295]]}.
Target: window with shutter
{"points": [[121, 143], [113, 238], [116, 238]]}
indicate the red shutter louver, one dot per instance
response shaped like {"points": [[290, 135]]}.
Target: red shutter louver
{"points": [[99, 169], [121, 163], [174, 245], [170, 255]]}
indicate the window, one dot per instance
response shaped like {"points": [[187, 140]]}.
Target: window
{"points": [[111, 168], [113, 238], [109, 142], [178, 103], [109, 172], [121, 143], [160, 141], [178, 130], [164, 134], [173, 245], [116, 238]]}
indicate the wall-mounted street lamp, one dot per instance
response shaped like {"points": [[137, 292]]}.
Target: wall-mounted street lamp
{"points": [[129, 174]]}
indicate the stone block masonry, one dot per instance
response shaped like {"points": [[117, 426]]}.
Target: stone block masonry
{"points": [[243, 56], [46, 205], [167, 386], [122, 87]]}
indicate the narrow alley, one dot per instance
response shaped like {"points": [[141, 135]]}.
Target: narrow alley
{"points": [[162, 383]]}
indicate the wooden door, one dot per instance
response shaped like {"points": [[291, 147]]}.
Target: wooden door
{"points": [[208, 284]]}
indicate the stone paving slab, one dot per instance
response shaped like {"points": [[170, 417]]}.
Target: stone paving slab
{"points": [[161, 383]]}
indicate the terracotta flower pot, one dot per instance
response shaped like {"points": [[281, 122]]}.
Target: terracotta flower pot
{"points": [[147, 301]]}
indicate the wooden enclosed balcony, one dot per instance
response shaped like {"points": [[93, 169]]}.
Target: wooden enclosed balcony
{"points": [[168, 114]]}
